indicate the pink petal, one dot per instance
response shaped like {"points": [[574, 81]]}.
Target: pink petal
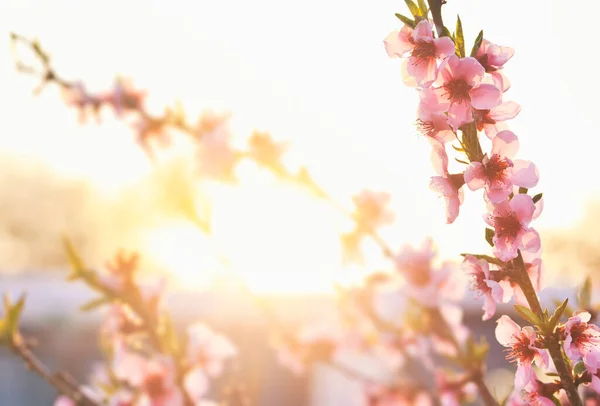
{"points": [[524, 375], [470, 70], [398, 43], [497, 292], [423, 70], [444, 47], [407, 79], [505, 144], [498, 55], [64, 401], [441, 185], [475, 176], [539, 208], [459, 114], [525, 174], [453, 207], [505, 249], [500, 80], [448, 69], [489, 308], [596, 383], [505, 111], [492, 129], [439, 159], [520, 297], [498, 195], [485, 97], [434, 100], [531, 240], [196, 383], [506, 330], [523, 207], [423, 31]]}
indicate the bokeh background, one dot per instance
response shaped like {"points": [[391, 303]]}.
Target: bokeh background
{"points": [[313, 74]]}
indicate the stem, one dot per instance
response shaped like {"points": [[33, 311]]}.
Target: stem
{"points": [[486, 396], [435, 6], [552, 340], [57, 380]]}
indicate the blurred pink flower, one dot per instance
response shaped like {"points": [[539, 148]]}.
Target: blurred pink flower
{"points": [[453, 393], [510, 220], [425, 51], [87, 104], [371, 211], [449, 186], [64, 401], [124, 97], [493, 57], [208, 350], [521, 349], [483, 284], [582, 340], [459, 90]]}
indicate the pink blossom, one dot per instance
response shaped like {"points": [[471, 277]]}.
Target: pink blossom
{"points": [[371, 210], [460, 90], [425, 51], [216, 156], [87, 104], [196, 383], [449, 186], [493, 57], [453, 393], [521, 349], [582, 340], [124, 97], [380, 395], [434, 126], [208, 350], [492, 121], [158, 385], [510, 220], [484, 284], [533, 266], [498, 172], [64, 401], [121, 397]]}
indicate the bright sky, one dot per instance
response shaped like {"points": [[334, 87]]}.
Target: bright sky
{"points": [[314, 73]]}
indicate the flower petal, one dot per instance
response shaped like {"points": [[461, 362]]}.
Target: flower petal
{"points": [[507, 331], [525, 174], [485, 97]]}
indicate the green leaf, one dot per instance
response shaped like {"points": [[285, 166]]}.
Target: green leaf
{"points": [[459, 39], [584, 296], [406, 20], [552, 374], [94, 304], [489, 236], [528, 315], [414, 9], [459, 149], [12, 316], [74, 259], [537, 197], [490, 259], [477, 44], [557, 315], [523, 190], [579, 368], [423, 7], [461, 161]]}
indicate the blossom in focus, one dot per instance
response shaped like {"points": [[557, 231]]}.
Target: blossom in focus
{"points": [[424, 49], [510, 220], [434, 126], [582, 340], [499, 172], [493, 57], [371, 211], [208, 350], [521, 344], [483, 284], [492, 121], [458, 90]]}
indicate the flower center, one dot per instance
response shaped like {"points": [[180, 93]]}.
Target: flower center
{"points": [[580, 335], [482, 118], [520, 351], [426, 128], [507, 227], [495, 168], [154, 385], [424, 50], [458, 90]]}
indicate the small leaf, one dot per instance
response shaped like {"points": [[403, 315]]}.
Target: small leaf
{"points": [[406, 20], [552, 374], [459, 149], [414, 9], [446, 32], [579, 368], [489, 236], [461, 161], [584, 296], [94, 304], [459, 39], [537, 197], [423, 7], [73, 256], [528, 315], [477, 44], [523, 190], [557, 315]]}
